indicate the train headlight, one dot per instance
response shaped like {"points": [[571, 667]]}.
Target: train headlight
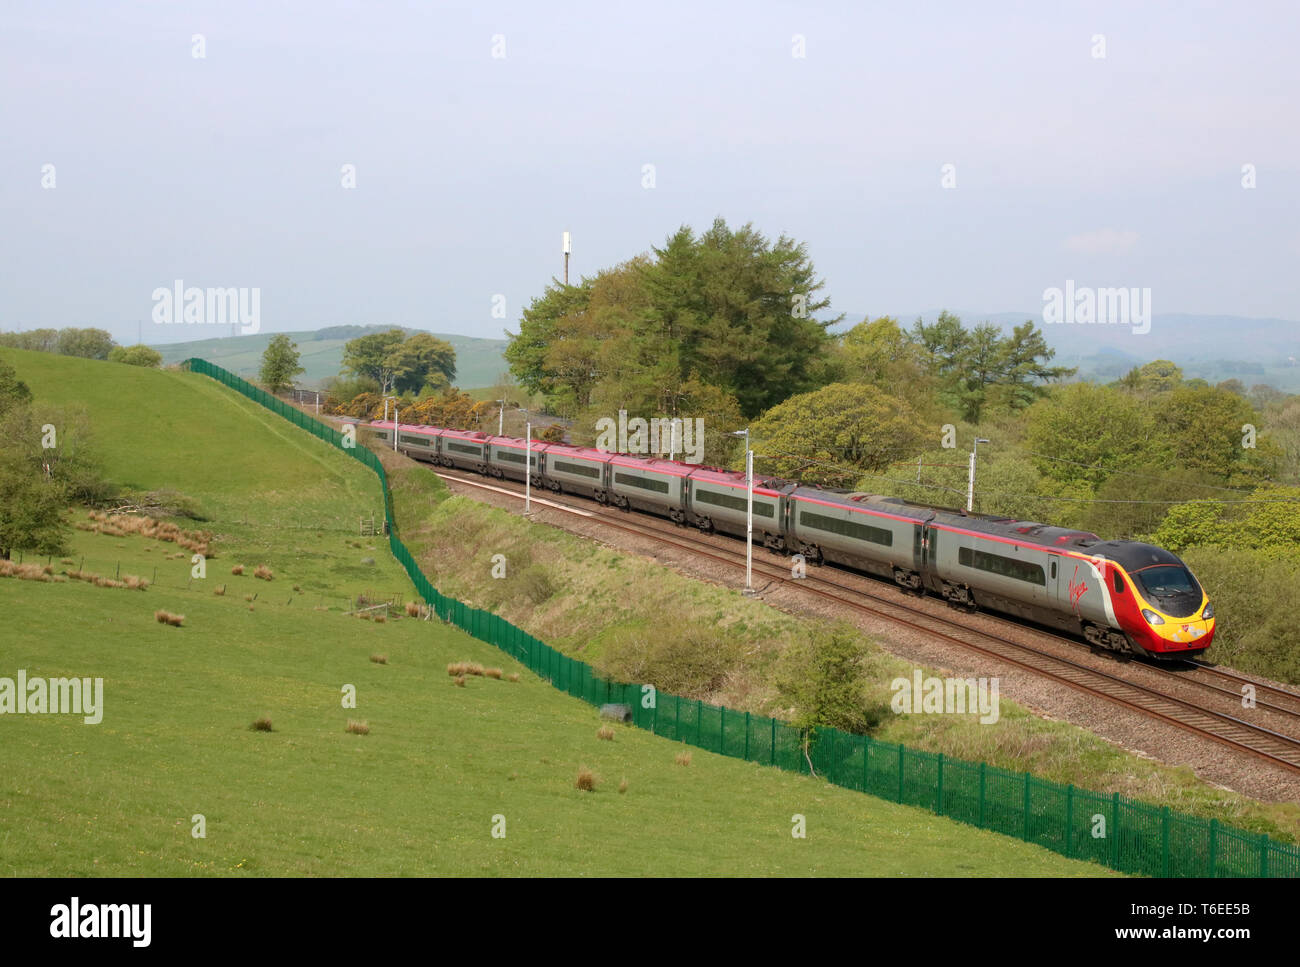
{"points": [[1152, 617], [1208, 612]]}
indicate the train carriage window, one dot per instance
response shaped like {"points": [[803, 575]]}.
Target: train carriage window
{"points": [[465, 448], [645, 483], [576, 468], [848, 528], [415, 441], [1053, 570], [510, 456], [1004, 566], [761, 509]]}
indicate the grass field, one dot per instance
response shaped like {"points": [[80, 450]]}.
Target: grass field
{"points": [[479, 362], [419, 794]]}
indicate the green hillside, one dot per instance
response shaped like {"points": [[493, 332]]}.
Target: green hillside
{"points": [[479, 362], [419, 793]]}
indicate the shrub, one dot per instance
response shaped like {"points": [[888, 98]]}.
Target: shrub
{"points": [[237, 569], [357, 728], [586, 780], [263, 572], [683, 758], [493, 673], [379, 659], [606, 733], [262, 725], [167, 618]]}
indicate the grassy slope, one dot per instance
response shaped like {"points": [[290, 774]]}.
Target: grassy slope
{"points": [[600, 593], [415, 796]]}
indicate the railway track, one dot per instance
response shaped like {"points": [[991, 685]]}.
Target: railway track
{"points": [[1231, 731]]}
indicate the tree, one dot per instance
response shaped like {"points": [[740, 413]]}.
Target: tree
{"points": [[422, 360], [32, 501], [1083, 432], [836, 434], [726, 307], [824, 678], [280, 364], [977, 366], [135, 356], [86, 343], [879, 352], [1157, 376], [368, 356], [13, 391]]}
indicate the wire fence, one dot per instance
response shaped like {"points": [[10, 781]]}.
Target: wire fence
{"points": [[1112, 830]]}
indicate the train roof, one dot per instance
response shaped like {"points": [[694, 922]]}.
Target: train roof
{"points": [[1133, 556]]}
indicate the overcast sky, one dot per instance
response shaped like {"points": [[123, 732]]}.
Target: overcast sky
{"points": [[829, 122]]}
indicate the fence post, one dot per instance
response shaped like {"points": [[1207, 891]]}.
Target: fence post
{"points": [[901, 749], [699, 720], [722, 729], [746, 736], [1026, 806], [831, 774], [866, 757], [1214, 844], [1069, 820], [1114, 831], [1263, 854], [982, 770], [1164, 841], [773, 747]]}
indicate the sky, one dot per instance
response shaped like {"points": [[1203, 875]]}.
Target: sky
{"points": [[1103, 143]]}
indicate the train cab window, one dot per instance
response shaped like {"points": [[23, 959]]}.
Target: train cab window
{"points": [[1119, 583]]}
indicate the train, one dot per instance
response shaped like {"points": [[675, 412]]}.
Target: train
{"points": [[1123, 597]]}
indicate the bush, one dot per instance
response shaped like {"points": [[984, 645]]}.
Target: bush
{"points": [[1255, 596], [586, 780], [678, 655], [825, 678]]}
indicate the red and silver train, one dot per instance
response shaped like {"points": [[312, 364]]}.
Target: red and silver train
{"points": [[1121, 596]]}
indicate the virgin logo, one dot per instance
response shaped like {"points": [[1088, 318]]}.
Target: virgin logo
{"points": [[1077, 589]]}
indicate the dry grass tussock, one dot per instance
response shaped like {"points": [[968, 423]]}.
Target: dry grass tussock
{"points": [[379, 659], [605, 733], [129, 581], [263, 572], [167, 618], [682, 758], [237, 569], [357, 728], [262, 725], [133, 525], [586, 780], [29, 572]]}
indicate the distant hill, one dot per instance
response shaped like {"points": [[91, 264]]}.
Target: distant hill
{"points": [[1213, 348], [478, 361]]}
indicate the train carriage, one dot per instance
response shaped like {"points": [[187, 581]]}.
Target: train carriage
{"points": [[576, 470], [875, 534], [506, 458], [465, 450], [716, 501], [654, 486]]}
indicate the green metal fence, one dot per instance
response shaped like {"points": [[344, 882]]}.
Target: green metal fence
{"points": [[1113, 830]]}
